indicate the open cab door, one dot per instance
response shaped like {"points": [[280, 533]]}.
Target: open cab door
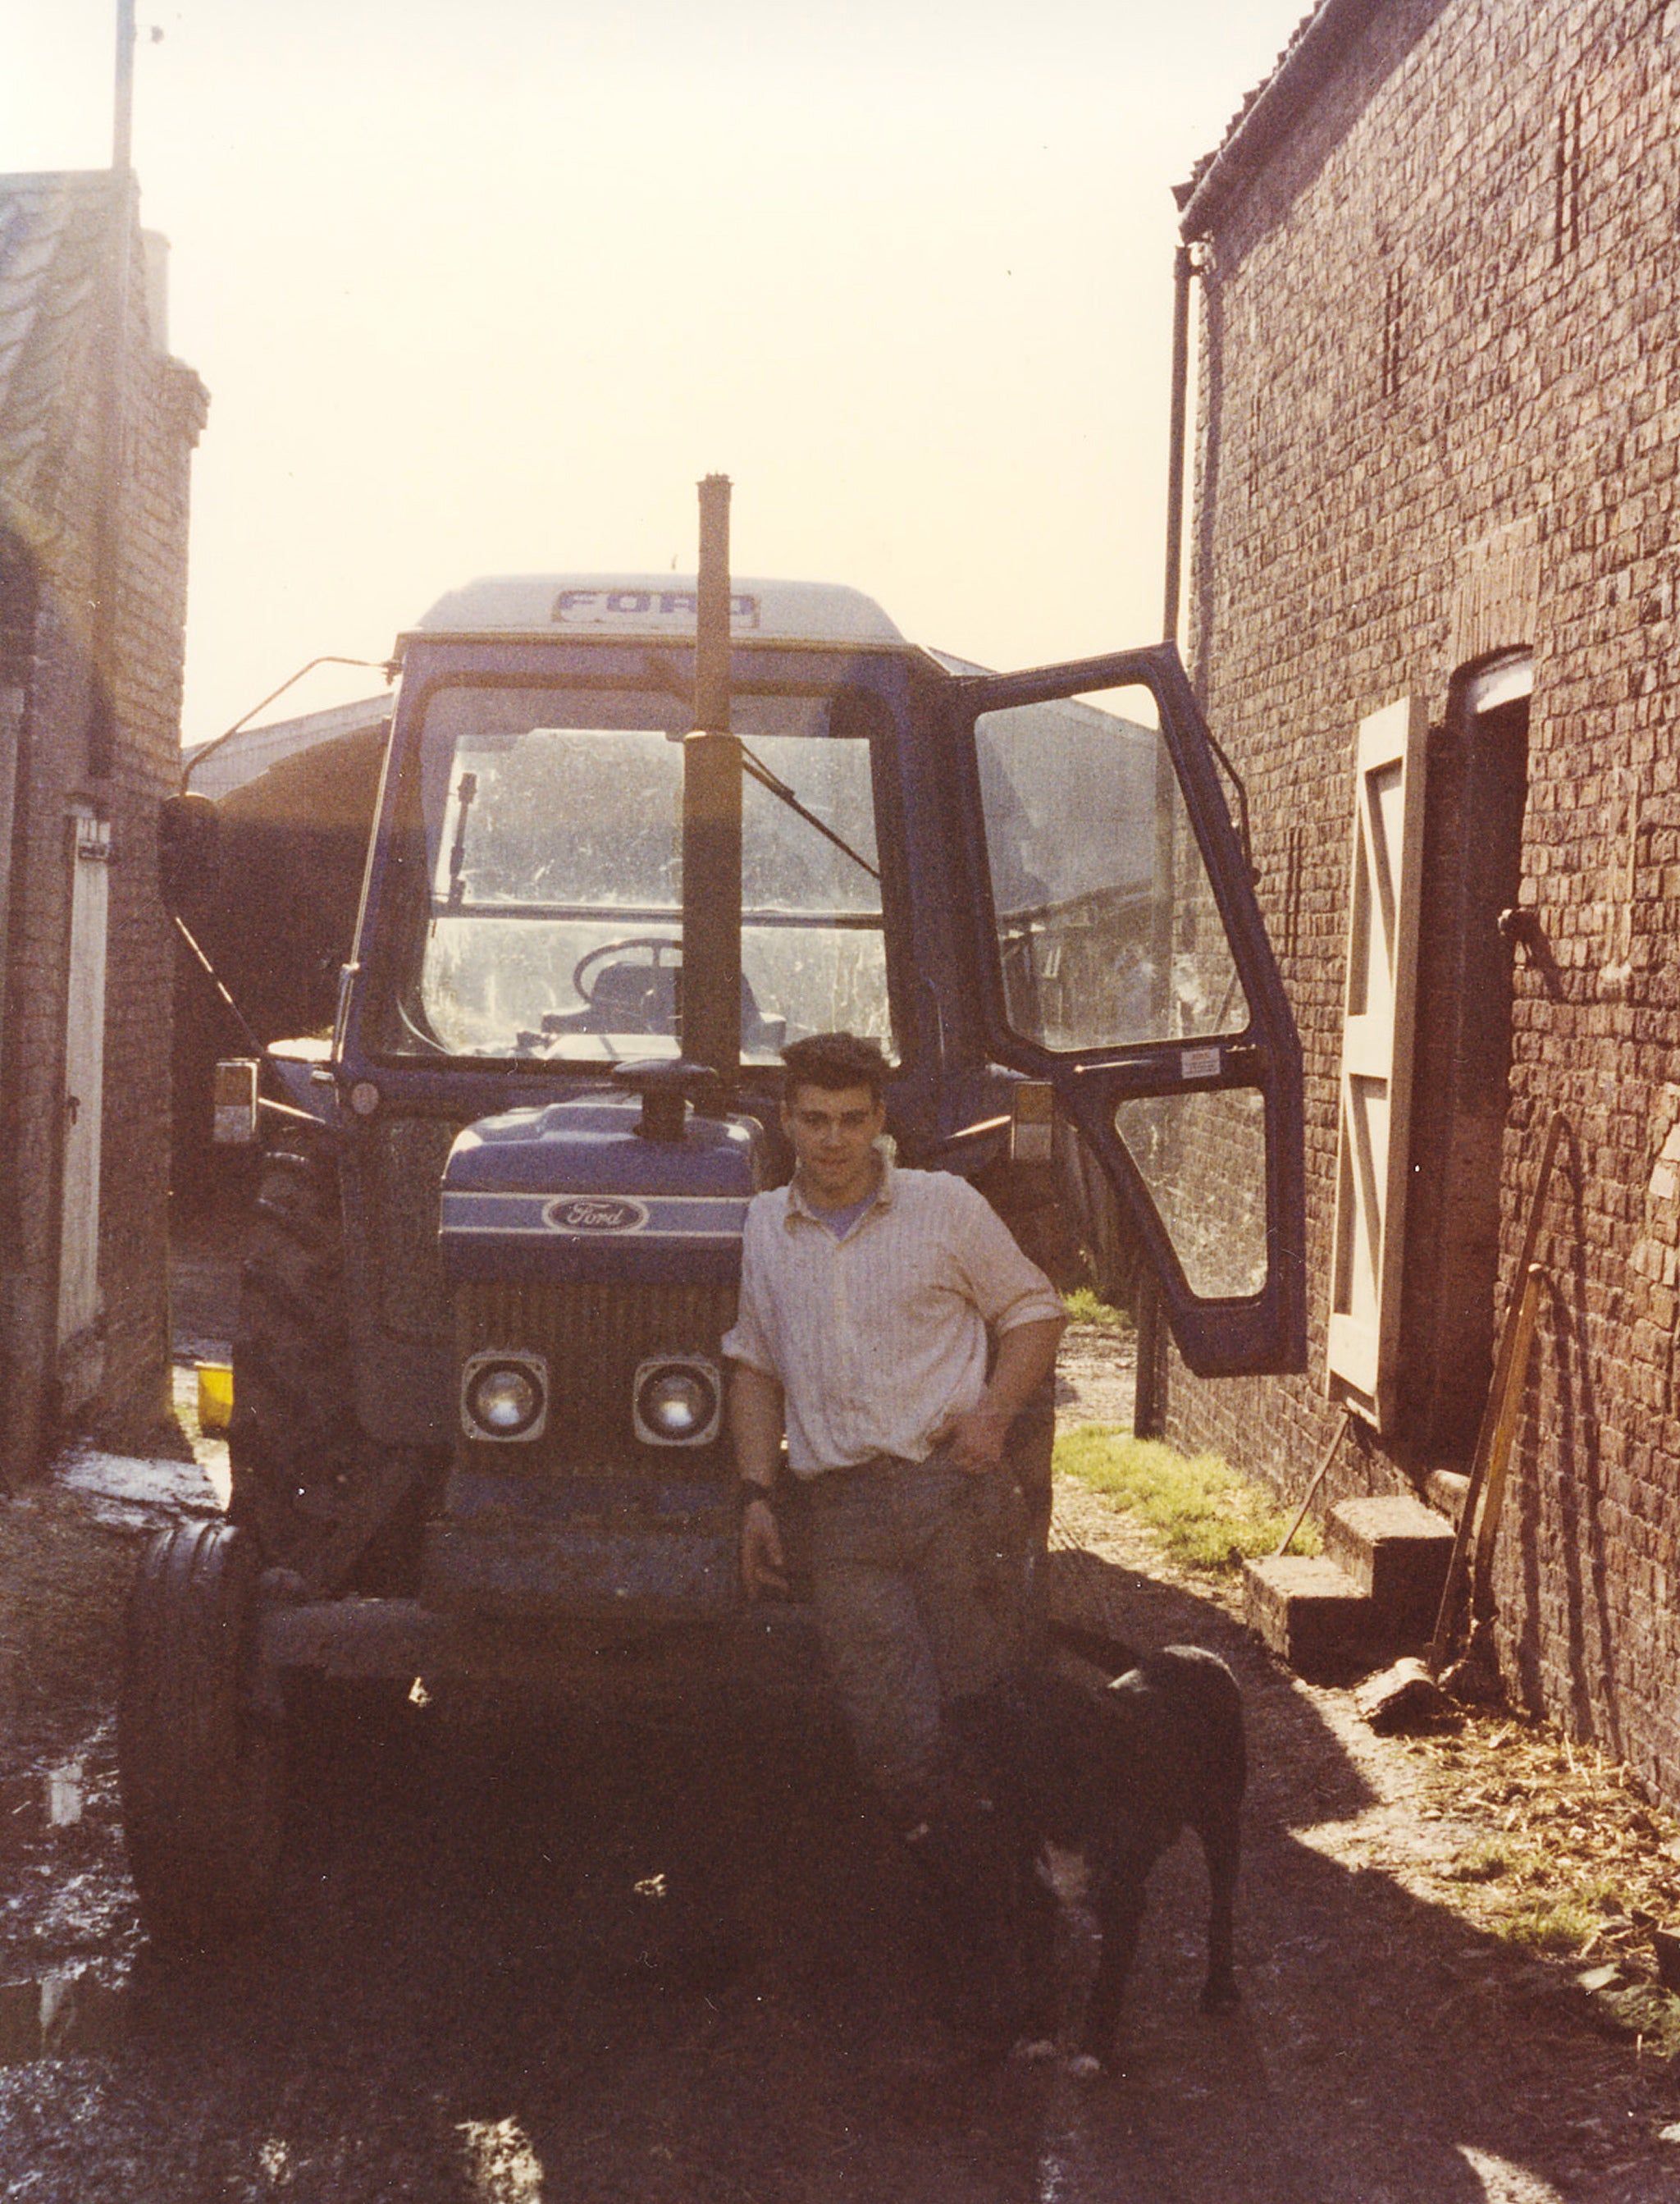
{"points": [[1124, 959]]}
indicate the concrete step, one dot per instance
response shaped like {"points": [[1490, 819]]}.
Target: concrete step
{"points": [[1311, 1613], [1372, 1594], [1396, 1550], [1447, 1490]]}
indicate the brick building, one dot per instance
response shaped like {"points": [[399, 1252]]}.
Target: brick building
{"points": [[93, 512], [1432, 587]]}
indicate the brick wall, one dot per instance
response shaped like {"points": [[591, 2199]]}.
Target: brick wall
{"points": [[169, 413], [1440, 415], [50, 511]]}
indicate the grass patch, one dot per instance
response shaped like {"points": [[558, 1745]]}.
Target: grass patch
{"points": [[1483, 1863], [1207, 1515], [1543, 1918], [1084, 1307], [1548, 1924]]}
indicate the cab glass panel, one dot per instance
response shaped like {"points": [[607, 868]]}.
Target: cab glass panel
{"points": [[1108, 931], [547, 907]]}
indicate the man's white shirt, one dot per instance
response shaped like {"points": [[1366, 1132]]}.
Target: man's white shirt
{"points": [[877, 1337]]}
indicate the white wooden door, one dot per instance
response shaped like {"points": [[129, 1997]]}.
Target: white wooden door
{"points": [[79, 1303], [1376, 1087]]}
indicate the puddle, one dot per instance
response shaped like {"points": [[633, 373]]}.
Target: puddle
{"points": [[130, 1493], [56, 1799], [64, 1795], [61, 2015]]}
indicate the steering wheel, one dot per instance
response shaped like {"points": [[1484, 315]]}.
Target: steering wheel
{"points": [[611, 950], [636, 1009]]}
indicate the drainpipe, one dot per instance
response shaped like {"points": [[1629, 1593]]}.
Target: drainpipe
{"points": [[1148, 1400], [1186, 265], [107, 523]]}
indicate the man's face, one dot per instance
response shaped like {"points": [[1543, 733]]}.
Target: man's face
{"points": [[833, 1135]]}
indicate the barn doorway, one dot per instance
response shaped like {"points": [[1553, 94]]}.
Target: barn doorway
{"points": [[1478, 779]]}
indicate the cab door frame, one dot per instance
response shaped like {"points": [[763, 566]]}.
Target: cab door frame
{"points": [[1263, 1332]]}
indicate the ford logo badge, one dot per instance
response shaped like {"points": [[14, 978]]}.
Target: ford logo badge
{"points": [[594, 1212]]}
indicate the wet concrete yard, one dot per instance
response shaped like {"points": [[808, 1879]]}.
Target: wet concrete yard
{"points": [[654, 1945]]}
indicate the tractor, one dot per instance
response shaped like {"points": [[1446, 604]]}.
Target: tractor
{"points": [[632, 834]]}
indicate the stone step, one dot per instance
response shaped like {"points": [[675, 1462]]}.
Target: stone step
{"points": [[1309, 1612], [1396, 1550], [1447, 1490]]}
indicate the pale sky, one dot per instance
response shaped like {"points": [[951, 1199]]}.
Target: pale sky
{"points": [[487, 287]]}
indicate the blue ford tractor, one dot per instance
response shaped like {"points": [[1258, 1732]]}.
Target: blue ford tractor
{"points": [[632, 834]]}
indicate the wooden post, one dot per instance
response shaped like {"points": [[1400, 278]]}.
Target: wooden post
{"points": [[1497, 1391], [1149, 1402]]}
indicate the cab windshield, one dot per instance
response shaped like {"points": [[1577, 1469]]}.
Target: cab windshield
{"points": [[547, 904]]}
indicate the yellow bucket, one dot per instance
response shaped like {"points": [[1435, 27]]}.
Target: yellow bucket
{"points": [[215, 1396]]}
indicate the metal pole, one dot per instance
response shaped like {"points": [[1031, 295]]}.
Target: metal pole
{"points": [[1317, 1478], [108, 520], [122, 129], [710, 1000], [1149, 1404], [1149, 1407], [711, 631], [1183, 267], [1149, 1401]]}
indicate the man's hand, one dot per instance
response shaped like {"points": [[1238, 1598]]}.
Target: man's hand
{"points": [[755, 1424], [973, 1438], [763, 1566], [974, 1441]]}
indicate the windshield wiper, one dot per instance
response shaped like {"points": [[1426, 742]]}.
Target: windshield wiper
{"points": [[761, 773], [663, 675], [465, 789]]}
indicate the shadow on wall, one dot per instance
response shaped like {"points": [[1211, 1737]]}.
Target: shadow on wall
{"points": [[1569, 1517]]}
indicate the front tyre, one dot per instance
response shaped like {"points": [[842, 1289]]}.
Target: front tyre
{"points": [[200, 1765], [328, 1503]]}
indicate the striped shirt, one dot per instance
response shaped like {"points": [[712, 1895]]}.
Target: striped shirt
{"points": [[876, 1337]]}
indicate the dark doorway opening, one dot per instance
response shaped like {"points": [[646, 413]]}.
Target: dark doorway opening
{"points": [[1477, 789]]}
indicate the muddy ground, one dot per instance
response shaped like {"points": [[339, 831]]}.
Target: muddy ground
{"points": [[642, 1947]]}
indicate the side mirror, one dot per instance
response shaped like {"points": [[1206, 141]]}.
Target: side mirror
{"points": [[189, 848]]}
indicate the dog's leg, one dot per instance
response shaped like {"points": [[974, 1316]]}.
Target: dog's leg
{"points": [[1037, 2002], [1220, 1832], [1120, 1912]]}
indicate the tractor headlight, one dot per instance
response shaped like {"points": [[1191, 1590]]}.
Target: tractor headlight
{"points": [[677, 1399], [504, 1395]]}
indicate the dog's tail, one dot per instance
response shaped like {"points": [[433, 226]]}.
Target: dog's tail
{"points": [[1112, 1656]]}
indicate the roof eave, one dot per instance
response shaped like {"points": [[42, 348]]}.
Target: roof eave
{"points": [[1309, 62]]}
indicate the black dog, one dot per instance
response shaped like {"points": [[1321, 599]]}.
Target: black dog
{"points": [[1080, 1792]]}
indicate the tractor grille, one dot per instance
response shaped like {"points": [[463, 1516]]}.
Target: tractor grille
{"points": [[593, 1338]]}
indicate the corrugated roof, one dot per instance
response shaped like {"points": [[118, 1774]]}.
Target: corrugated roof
{"points": [[231, 759], [54, 232]]}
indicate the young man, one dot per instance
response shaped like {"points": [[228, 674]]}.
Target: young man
{"points": [[871, 1299]]}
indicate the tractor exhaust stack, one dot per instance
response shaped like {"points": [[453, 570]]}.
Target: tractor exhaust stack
{"points": [[711, 984]]}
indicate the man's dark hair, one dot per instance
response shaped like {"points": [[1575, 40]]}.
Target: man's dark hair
{"points": [[834, 1061]]}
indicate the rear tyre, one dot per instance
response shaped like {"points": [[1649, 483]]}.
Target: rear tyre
{"points": [[323, 1499], [200, 1767]]}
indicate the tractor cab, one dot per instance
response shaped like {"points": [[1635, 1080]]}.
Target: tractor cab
{"points": [[1031, 879]]}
